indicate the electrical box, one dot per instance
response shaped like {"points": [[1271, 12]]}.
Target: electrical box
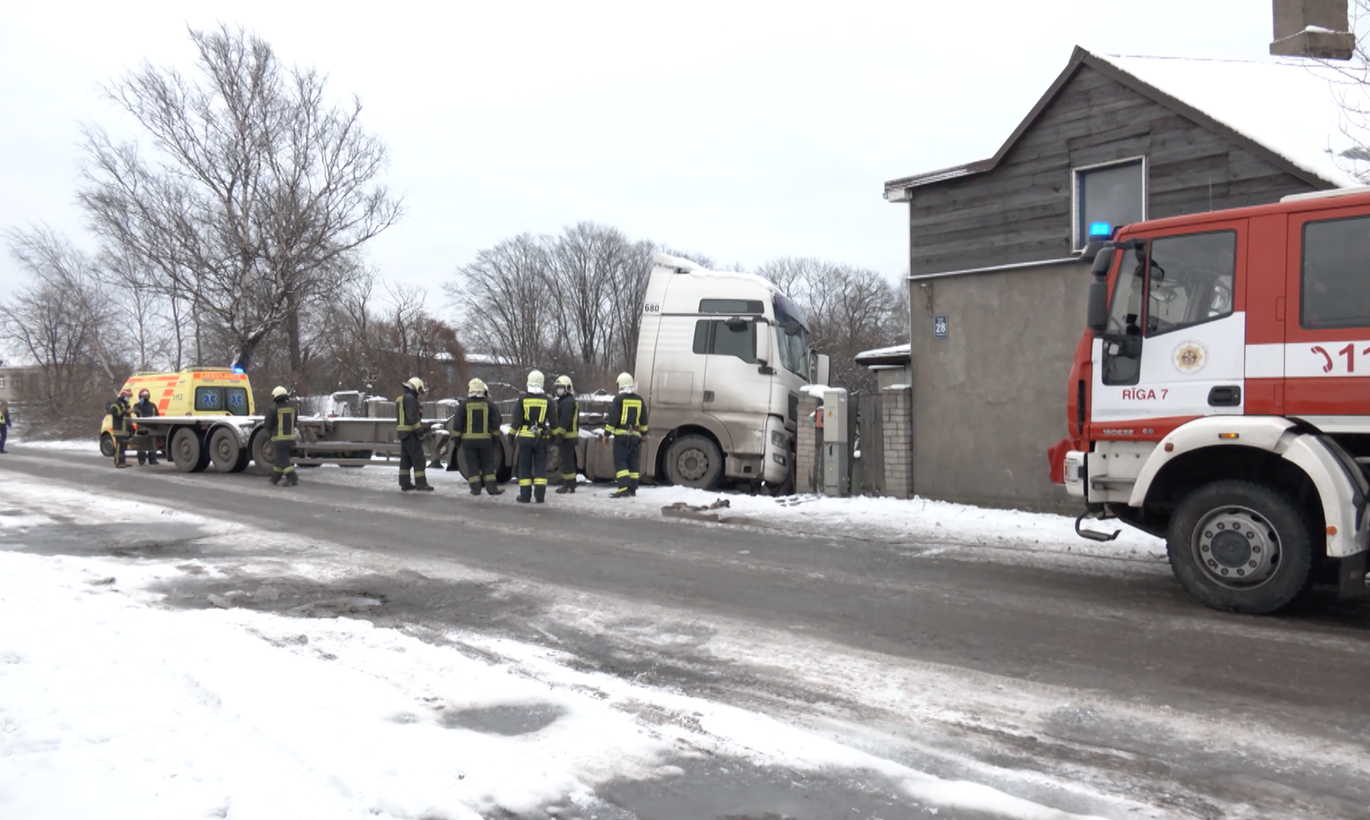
{"points": [[837, 443]]}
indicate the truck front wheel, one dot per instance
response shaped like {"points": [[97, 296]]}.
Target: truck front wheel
{"points": [[106, 445], [1239, 546], [694, 461]]}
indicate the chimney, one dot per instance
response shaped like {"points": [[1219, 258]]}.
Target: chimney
{"points": [[1313, 28]]}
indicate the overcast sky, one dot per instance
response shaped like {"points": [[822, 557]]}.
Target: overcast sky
{"points": [[741, 130]]}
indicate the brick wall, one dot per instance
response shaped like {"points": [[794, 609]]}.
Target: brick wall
{"points": [[896, 416]]}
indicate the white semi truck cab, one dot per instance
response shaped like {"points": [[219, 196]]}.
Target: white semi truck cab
{"points": [[721, 358]]}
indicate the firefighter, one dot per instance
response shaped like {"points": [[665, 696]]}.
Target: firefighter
{"points": [[566, 433], [4, 424], [531, 431], [408, 423], [627, 423], [146, 409], [279, 423], [120, 420], [474, 427]]}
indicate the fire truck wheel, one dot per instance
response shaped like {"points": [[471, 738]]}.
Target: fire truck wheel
{"points": [[1239, 546], [106, 445], [694, 461], [188, 451]]}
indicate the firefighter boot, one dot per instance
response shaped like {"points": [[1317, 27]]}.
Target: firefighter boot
{"points": [[292, 479], [421, 483], [475, 488], [621, 492], [493, 488], [568, 485], [406, 483], [275, 477], [525, 494], [540, 493]]}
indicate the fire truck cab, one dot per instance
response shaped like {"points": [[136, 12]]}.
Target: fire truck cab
{"points": [[1220, 395]]}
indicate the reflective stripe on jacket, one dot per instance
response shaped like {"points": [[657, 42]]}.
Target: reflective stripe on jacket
{"points": [[407, 413], [627, 416], [282, 424], [532, 415]]}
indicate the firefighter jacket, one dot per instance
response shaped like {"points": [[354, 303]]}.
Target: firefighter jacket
{"points": [[408, 416], [477, 419], [145, 409], [568, 417], [627, 416], [119, 414], [530, 415], [279, 421]]}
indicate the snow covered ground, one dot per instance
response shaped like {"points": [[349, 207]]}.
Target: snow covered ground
{"points": [[114, 704]]}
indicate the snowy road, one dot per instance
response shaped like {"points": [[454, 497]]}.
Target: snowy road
{"points": [[899, 676]]}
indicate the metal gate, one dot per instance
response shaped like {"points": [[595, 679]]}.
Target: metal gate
{"points": [[871, 440]]}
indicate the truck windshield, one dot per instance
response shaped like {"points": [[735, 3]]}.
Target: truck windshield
{"points": [[792, 339]]}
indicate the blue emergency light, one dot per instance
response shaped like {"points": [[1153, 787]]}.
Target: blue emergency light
{"points": [[239, 370], [1100, 231]]}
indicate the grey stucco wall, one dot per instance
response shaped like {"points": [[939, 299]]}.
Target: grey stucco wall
{"points": [[991, 397]]}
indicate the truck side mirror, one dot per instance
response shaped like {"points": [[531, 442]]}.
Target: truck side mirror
{"points": [[1097, 313], [763, 333]]}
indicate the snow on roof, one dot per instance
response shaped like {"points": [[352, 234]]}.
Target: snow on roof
{"points": [[883, 352], [1291, 106]]}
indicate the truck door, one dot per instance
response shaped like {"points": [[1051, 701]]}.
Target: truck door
{"points": [[1175, 344], [1327, 328], [731, 390]]}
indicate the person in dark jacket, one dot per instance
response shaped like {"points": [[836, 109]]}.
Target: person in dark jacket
{"points": [[4, 424], [409, 424], [566, 433], [279, 423], [627, 423], [531, 429], [147, 440], [474, 427], [120, 424]]}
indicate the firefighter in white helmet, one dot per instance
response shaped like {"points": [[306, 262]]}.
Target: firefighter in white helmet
{"points": [[279, 423], [566, 432], [474, 427], [627, 423], [147, 439], [531, 431], [409, 427]]}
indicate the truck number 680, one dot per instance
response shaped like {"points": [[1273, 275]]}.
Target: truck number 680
{"points": [[651, 307]]}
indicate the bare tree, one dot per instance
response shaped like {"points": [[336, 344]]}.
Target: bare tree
{"points": [[258, 194], [848, 310], [503, 297]]}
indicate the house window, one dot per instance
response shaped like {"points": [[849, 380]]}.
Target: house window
{"points": [[1114, 193], [1334, 289], [2, 382]]}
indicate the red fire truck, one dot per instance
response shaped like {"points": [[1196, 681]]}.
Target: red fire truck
{"points": [[1220, 396]]}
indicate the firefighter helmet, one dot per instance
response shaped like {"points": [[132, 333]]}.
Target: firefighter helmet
{"points": [[564, 381], [125, 393], [535, 379], [477, 386], [625, 382], [279, 392], [417, 384], [144, 393]]}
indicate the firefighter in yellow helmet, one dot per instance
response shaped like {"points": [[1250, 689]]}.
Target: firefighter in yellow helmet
{"points": [[566, 433], [120, 425], [627, 423], [474, 427], [531, 430], [279, 423], [409, 426]]}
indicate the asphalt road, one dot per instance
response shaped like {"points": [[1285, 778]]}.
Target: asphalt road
{"points": [[1103, 675]]}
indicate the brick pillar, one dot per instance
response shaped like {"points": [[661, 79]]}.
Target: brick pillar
{"points": [[806, 447], [896, 416]]}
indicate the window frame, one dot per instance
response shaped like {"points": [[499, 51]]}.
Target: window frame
{"points": [[1077, 174], [711, 337], [1303, 283]]}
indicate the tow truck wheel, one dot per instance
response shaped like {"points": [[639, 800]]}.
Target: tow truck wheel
{"points": [[694, 461], [262, 451], [228, 455], [188, 451], [106, 445], [1242, 547]]}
